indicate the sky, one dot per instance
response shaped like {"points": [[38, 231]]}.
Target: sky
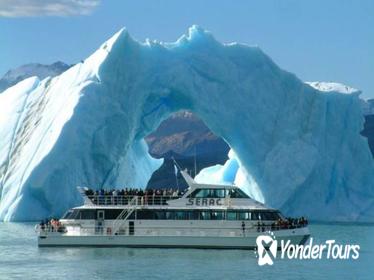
{"points": [[316, 40]]}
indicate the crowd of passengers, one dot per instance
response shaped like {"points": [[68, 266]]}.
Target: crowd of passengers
{"points": [[53, 225], [118, 196], [288, 223]]}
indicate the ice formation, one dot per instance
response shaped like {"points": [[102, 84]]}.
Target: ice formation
{"points": [[297, 148], [334, 87], [232, 172]]}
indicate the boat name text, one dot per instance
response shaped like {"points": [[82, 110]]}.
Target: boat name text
{"points": [[204, 201]]}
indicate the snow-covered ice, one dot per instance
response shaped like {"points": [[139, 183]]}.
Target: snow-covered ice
{"points": [[296, 148], [334, 87]]}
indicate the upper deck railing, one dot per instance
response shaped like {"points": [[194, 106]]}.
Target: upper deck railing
{"points": [[126, 199]]}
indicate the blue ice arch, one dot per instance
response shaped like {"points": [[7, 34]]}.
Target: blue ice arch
{"points": [[295, 146]]}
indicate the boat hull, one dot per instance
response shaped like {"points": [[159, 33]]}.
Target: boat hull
{"points": [[296, 236]]}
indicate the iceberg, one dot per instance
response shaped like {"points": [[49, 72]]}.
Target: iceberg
{"points": [[297, 147]]}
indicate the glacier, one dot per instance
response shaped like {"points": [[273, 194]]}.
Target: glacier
{"points": [[295, 146]]}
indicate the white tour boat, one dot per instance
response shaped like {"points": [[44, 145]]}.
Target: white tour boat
{"points": [[206, 216]]}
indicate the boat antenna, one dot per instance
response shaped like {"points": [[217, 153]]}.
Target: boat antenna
{"points": [[176, 167], [189, 180], [176, 163]]}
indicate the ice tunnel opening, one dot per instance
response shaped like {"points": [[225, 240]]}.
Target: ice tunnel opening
{"points": [[209, 158], [185, 137]]}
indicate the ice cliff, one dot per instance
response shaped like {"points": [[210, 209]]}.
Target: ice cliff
{"points": [[296, 148]]}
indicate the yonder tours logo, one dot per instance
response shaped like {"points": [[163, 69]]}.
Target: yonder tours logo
{"points": [[267, 250]]}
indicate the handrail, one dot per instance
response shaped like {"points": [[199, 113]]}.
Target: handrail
{"points": [[49, 228], [155, 229], [124, 215], [125, 199]]}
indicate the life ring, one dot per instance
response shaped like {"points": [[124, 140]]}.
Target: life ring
{"points": [[109, 231]]}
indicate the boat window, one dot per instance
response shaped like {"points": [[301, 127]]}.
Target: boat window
{"points": [[87, 214], [269, 215], [170, 215], [132, 216], [204, 215], [67, 214], [177, 215], [219, 193], [196, 193], [208, 193], [276, 215], [255, 216], [237, 193], [194, 215], [181, 215], [160, 215], [112, 214], [72, 214], [187, 215], [231, 215], [217, 215], [244, 215], [145, 215]]}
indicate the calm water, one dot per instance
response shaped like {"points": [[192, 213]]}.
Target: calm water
{"points": [[20, 258]]}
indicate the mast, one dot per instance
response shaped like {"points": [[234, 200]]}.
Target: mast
{"points": [[189, 180]]}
